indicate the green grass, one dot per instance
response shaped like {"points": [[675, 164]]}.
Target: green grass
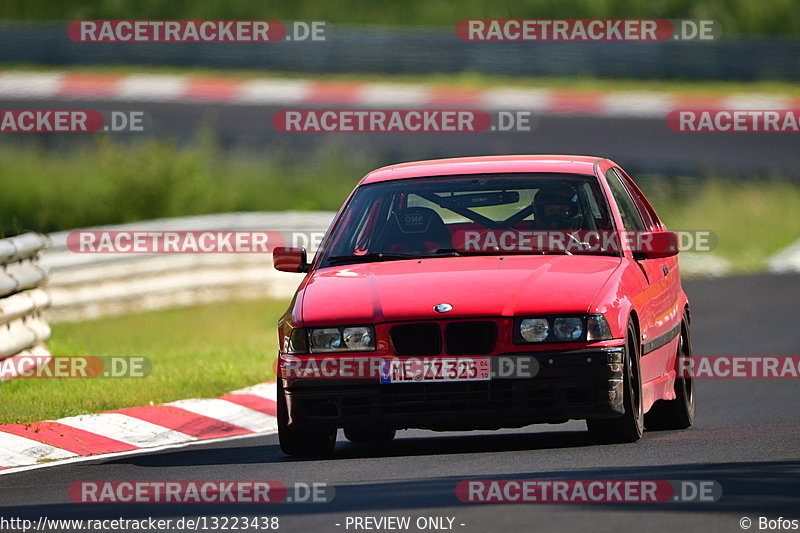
{"points": [[104, 182], [751, 219], [736, 16], [467, 80], [196, 352]]}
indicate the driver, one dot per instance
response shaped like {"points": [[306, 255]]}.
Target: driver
{"points": [[555, 207]]}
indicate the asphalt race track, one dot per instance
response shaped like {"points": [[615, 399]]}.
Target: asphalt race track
{"points": [[747, 438], [639, 144]]}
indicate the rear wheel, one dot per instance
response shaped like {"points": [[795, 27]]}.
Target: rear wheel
{"points": [[302, 442], [369, 435], [677, 413], [630, 426]]}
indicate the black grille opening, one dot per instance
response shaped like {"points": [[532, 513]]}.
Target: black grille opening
{"points": [[540, 398], [416, 339], [444, 397], [470, 338], [579, 396], [319, 408], [412, 398]]}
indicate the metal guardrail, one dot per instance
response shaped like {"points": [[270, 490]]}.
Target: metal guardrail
{"points": [[90, 285], [23, 331]]}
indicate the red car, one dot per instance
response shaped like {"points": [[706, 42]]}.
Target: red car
{"points": [[485, 293]]}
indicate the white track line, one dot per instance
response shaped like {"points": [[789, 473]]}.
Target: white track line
{"points": [[265, 390], [126, 429], [19, 451], [229, 412]]}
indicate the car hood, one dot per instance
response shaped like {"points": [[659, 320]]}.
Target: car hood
{"points": [[481, 286]]}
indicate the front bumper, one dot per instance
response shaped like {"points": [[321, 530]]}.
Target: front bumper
{"points": [[578, 384]]}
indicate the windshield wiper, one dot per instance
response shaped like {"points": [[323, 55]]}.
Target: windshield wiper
{"points": [[444, 252], [393, 256], [366, 258]]}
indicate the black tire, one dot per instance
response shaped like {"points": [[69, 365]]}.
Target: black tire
{"points": [[630, 426], [369, 435], [302, 442], [677, 413]]}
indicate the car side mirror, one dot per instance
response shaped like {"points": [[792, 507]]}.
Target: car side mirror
{"points": [[289, 259], [655, 244]]}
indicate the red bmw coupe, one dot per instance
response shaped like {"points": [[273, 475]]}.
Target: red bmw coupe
{"points": [[486, 293]]}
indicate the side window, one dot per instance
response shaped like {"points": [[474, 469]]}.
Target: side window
{"points": [[600, 218], [651, 220], [627, 208]]}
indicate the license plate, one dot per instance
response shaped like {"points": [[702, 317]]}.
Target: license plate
{"points": [[427, 370]]}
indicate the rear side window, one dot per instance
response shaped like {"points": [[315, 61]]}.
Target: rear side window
{"points": [[627, 208], [651, 220]]}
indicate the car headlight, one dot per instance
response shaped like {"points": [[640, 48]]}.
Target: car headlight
{"points": [[568, 329], [561, 329], [325, 340], [597, 329], [333, 339], [359, 339], [534, 329]]}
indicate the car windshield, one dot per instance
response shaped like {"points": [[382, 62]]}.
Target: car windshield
{"points": [[470, 215]]}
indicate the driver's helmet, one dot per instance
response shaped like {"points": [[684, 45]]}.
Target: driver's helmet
{"points": [[556, 207]]}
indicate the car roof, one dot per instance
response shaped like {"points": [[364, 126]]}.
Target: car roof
{"points": [[572, 164]]}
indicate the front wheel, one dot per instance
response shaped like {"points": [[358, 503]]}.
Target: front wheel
{"points": [[630, 426], [302, 442]]}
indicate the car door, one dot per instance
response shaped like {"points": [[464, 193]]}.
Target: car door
{"points": [[656, 303], [671, 313]]}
